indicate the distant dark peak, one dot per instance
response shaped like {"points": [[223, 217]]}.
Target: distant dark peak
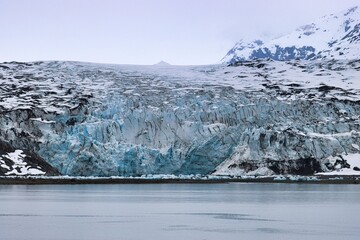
{"points": [[353, 35], [162, 63], [308, 33], [351, 10], [347, 25], [259, 42], [307, 27], [330, 44]]}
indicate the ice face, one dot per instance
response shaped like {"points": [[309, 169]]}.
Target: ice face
{"points": [[258, 117]]}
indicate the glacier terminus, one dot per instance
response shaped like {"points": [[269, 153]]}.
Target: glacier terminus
{"points": [[258, 117]]}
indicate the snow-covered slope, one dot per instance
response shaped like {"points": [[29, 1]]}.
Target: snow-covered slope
{"points": [[332, 36], [15, 162], [257, 117]]}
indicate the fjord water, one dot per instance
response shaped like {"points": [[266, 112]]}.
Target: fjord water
{"points": [[180, 211]]}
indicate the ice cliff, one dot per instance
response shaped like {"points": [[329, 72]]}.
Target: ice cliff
{"points": [[256, 117]]}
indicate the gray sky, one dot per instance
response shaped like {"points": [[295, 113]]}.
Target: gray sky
{"points": [[146, 31]]}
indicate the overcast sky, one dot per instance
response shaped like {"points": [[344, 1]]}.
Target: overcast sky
{"points": [[146, 31]]}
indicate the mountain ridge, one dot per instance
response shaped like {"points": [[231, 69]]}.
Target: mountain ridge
{"points": [[333, 36]]}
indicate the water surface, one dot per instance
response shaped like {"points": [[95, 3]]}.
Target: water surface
{"points": [[180, 211]]}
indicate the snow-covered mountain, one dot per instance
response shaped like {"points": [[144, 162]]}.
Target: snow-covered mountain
{"points": [[335, 36], [254, 117]]}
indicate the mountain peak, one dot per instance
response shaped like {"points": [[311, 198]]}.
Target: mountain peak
{"points": [[351, 10], [162, 63], [334, 36]]}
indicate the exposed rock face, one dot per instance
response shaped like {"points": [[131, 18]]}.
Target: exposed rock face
{"points": [[15, 162], [259, 117]]}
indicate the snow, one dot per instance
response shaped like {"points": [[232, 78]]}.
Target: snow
{"points": [[111, 120], [326, 35], [3, 165], [345, 134], [42, 121], [355, 146], [352, 159], [19, 167]]}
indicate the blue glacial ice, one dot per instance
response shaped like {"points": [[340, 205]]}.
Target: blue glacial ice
{"points": [[261, 117]]}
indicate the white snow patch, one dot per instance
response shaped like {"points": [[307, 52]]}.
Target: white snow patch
{"points": [[41, 120], [352, 159], [19, 167], [355, 146]]}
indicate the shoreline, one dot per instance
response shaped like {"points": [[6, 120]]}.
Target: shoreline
{"points": [[329, 179]]}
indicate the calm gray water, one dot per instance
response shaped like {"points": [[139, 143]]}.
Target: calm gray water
{"points": [[180, 211]]}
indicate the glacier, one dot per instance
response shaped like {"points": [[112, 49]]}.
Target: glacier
{"points": [[257, 117]]}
